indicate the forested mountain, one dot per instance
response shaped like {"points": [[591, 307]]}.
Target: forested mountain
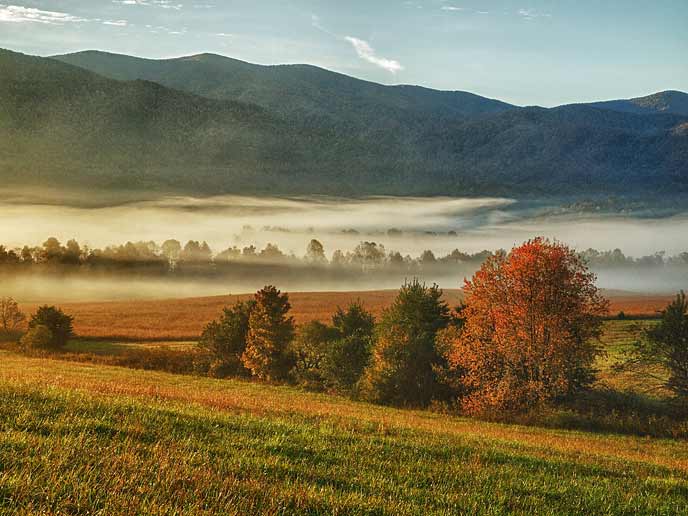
{"points": [[302, 91], [674, 102], [208, 124]]}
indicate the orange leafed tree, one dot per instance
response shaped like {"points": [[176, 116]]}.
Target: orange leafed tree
{"points": [[531, 321]]}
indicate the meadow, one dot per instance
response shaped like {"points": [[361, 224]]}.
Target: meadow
{"points": [[162, 442], [159, 443], [184, 319]]}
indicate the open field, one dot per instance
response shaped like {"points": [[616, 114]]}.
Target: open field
{"points": [[184, 319], [167, 444]]}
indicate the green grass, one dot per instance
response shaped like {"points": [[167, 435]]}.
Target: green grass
{"points": [[617, 342], [85, 439], [100, 347]]}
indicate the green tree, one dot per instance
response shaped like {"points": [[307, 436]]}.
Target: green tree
{"points": [[270, 331], [309, 350], [355, 319], [347, 356], [404, 358], [59, 324], [666, 345], [225, 339]]}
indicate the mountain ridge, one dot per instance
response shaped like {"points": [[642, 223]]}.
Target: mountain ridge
{"points": [[67, 125]]}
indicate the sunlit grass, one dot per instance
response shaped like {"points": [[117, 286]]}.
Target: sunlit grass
{"points": [[77, 438]]}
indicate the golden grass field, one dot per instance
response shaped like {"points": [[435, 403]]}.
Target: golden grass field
{"points": [[184, 319]]}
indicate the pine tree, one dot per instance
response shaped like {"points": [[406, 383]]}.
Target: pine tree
{"points": [[270, 332]]}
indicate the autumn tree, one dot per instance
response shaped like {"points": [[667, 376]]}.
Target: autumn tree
{"points": [[11, 317], [225, 339], [666, 346], [270, 331], [529, 328], [404, 358]]}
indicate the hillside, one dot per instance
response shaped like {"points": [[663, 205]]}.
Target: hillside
{"points": [[169, 444], [309, 131]]}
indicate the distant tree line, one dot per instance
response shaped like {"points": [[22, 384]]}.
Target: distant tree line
{"points": [[194, 257]]}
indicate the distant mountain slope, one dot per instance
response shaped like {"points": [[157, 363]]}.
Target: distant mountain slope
{"points": [[303, 91], [62, 125], [673, 102]]}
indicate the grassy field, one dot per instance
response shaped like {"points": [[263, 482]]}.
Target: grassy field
{"points": [[183, 319], [84, 439]]}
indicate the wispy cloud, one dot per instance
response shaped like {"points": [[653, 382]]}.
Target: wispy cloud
{"points": [[20, 14], [116, 23], [531, 14], [453, 8], [164, 4], [362, 48], [367, 53]]}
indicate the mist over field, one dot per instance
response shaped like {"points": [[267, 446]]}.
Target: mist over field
{"points": [[407, 225]]}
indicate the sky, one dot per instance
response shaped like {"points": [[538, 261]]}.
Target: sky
{"points": [[537, 52]]}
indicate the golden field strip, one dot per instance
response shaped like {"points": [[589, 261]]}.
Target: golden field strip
{"points": [[184, 319]]}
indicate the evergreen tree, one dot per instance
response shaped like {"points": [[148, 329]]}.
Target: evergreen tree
{"points": [[404, 358], [270, 332]]}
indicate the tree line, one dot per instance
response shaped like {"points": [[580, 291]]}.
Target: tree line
{"points": [[197, 257]]}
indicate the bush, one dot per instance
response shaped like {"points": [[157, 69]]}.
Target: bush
{"points": [[530, 320], [38, 337], [404, 358], [59, 324], [269, 334]]}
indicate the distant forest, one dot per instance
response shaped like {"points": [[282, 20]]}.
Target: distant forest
{"points": [[197, 259]]}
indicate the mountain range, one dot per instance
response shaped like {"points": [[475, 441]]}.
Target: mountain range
{"points": [[209, 124]]}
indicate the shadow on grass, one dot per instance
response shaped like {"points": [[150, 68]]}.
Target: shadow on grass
{"points": [[606, 410]]}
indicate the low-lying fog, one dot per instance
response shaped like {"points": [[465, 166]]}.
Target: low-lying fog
{"points": [[416, 224]]}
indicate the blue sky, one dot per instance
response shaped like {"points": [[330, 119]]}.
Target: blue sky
{"points": [[543, 52]]}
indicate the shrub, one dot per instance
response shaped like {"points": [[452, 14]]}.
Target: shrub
{"points": [[38, 337], [225, 340], [59, 324], [269, 333], [403, 362], [530, 321]]}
